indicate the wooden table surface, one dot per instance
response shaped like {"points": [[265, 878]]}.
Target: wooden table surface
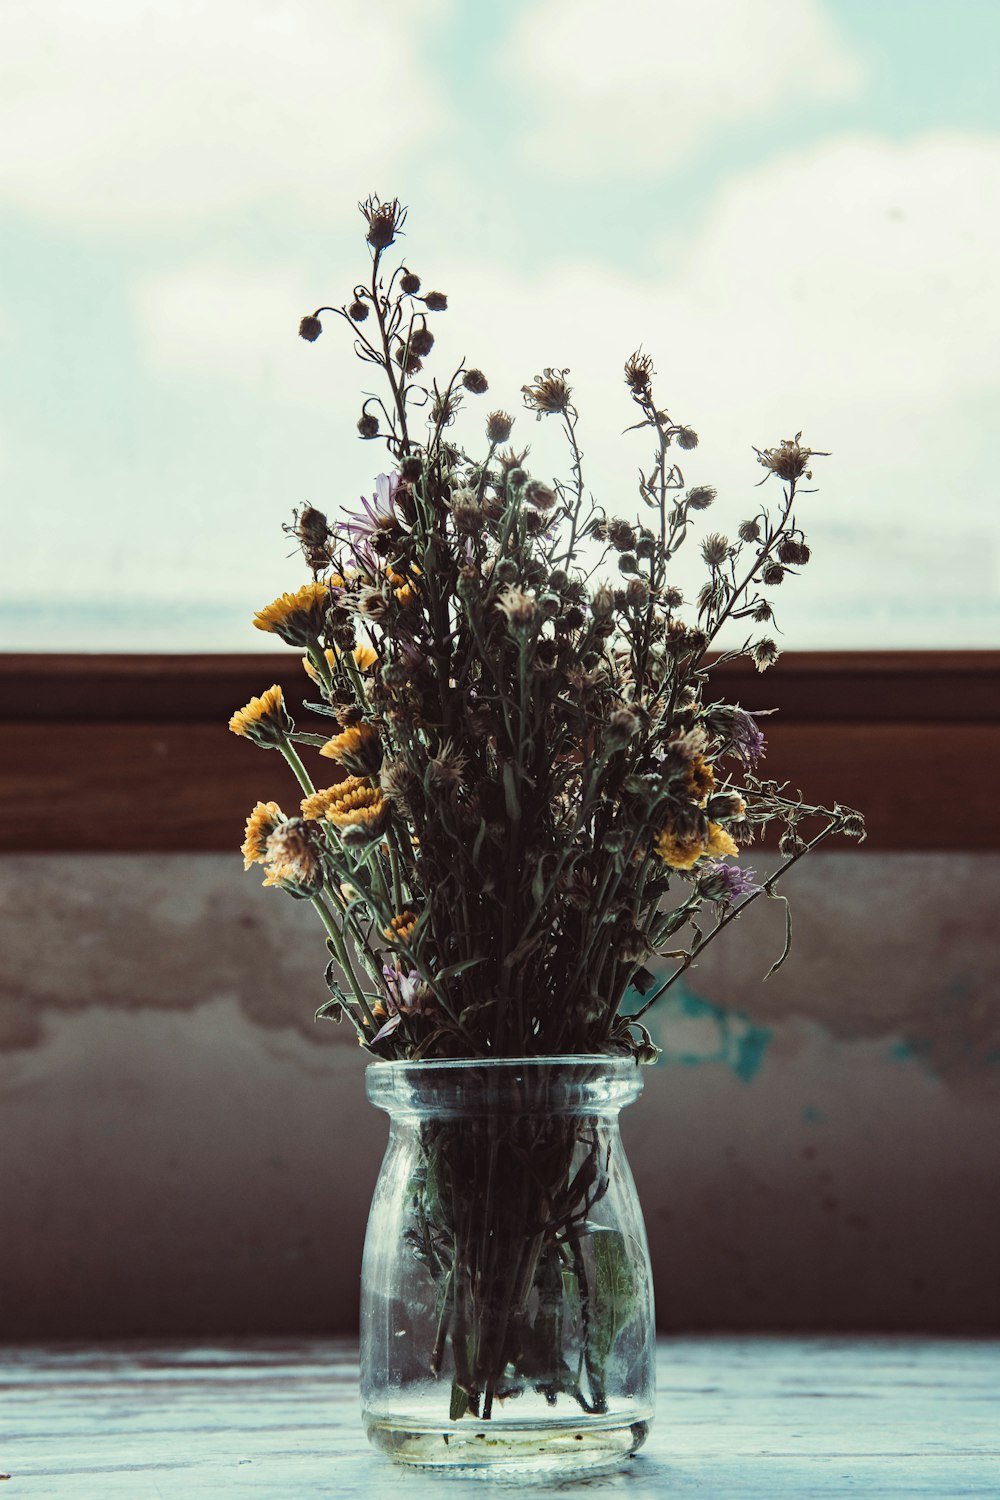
{"points": [[737, 1419]]}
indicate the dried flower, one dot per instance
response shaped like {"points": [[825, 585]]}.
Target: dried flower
{"points": [[764, 654], [772, 574], [421, 341], [638, 372], [498, 426], [400, 929], [794, 553], [475, 381], [358, 310], [409, 283], [687, 437], [518, 606], [715, 549], [384, 220], [790, 461], [310, 328], [436, 302], [701, 497], [368, 424], [549, 395], [293, 858]]}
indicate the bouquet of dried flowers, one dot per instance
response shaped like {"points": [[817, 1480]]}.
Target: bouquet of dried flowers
{"points": [[530, 797]]}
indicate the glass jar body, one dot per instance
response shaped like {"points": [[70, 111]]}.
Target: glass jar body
{"points": [[507, 1309]]}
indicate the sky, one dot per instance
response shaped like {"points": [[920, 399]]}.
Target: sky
{"points": [[792, 205]]}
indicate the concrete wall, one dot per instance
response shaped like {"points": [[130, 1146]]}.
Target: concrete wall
{"points": [[183, 1151]]}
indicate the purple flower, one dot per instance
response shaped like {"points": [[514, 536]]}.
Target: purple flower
{"points": [[726, 884], [746, 739], [377, 514], [405, 994]]}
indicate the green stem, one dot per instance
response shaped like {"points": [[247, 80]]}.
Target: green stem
{"points": [[343, 958], [290, 753]]}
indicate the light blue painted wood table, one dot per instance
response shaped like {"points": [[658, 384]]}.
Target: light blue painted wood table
{"points": [[738, 1419]]}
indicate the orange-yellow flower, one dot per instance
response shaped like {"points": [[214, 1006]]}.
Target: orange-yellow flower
{"points": [[260, 825], [299, 618], [681, 851], [364, 658], [358, 810], [264, 720], [401, 926], [359, 749], [719, 842], [699, 778]]}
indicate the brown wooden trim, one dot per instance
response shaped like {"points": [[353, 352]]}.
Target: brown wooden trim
{"points": [[133, 753], [870, 687]]}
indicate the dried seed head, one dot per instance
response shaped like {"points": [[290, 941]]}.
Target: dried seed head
{"points": [[518, 606], [628, 563], [853, 824], [368, 424], [638, 372], [791, 843], [384, 220], [715, 549], [436, 302], [790, 461], [549, 394], [602, 603], [672, 597], [764, 654], [540, 495], [700, 497], [475, 381], [498, 426], [421, 341], [687, 438], [749, 531], [621, 535], [409, 283], [310, 329], [772, 574], [763, 612], [411, 469], [358, 311], [795, 554]]}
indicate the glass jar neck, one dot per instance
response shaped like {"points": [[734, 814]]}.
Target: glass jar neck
{"points": [[591, 1086]]}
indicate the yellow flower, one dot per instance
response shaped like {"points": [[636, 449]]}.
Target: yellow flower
{"points": [[299, 618], [265, 720], [699, 779], [401, 926], [359, 749], [260, 825], [358, 810], [363, 655], [318, 804], [681, 851], [719, 842]]}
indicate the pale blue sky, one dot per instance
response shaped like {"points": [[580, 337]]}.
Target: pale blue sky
{"points": [[794, 205]]}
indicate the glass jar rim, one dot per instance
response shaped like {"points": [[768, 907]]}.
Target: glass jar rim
{"points": [[581, 1083]]}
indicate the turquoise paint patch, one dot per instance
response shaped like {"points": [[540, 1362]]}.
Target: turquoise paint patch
{"points": [[813, 1116], [732, 1039]]}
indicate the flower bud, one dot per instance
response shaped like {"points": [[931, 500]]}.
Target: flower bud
{"points": [[358, 310], [368, 424], [602, 603], [310, 329], [409, 283], [436, 302], [475, 381], [725, 805]]}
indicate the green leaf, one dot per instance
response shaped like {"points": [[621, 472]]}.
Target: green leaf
{"points": [[788, 936], [614, 1298], [459, 1402], [302, 738]]}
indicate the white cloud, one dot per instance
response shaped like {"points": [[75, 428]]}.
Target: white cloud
{"points": [[634, 85], [134, 114]]}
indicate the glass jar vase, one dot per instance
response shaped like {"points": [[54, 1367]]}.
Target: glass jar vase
{"points": [[507, 1306]]}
